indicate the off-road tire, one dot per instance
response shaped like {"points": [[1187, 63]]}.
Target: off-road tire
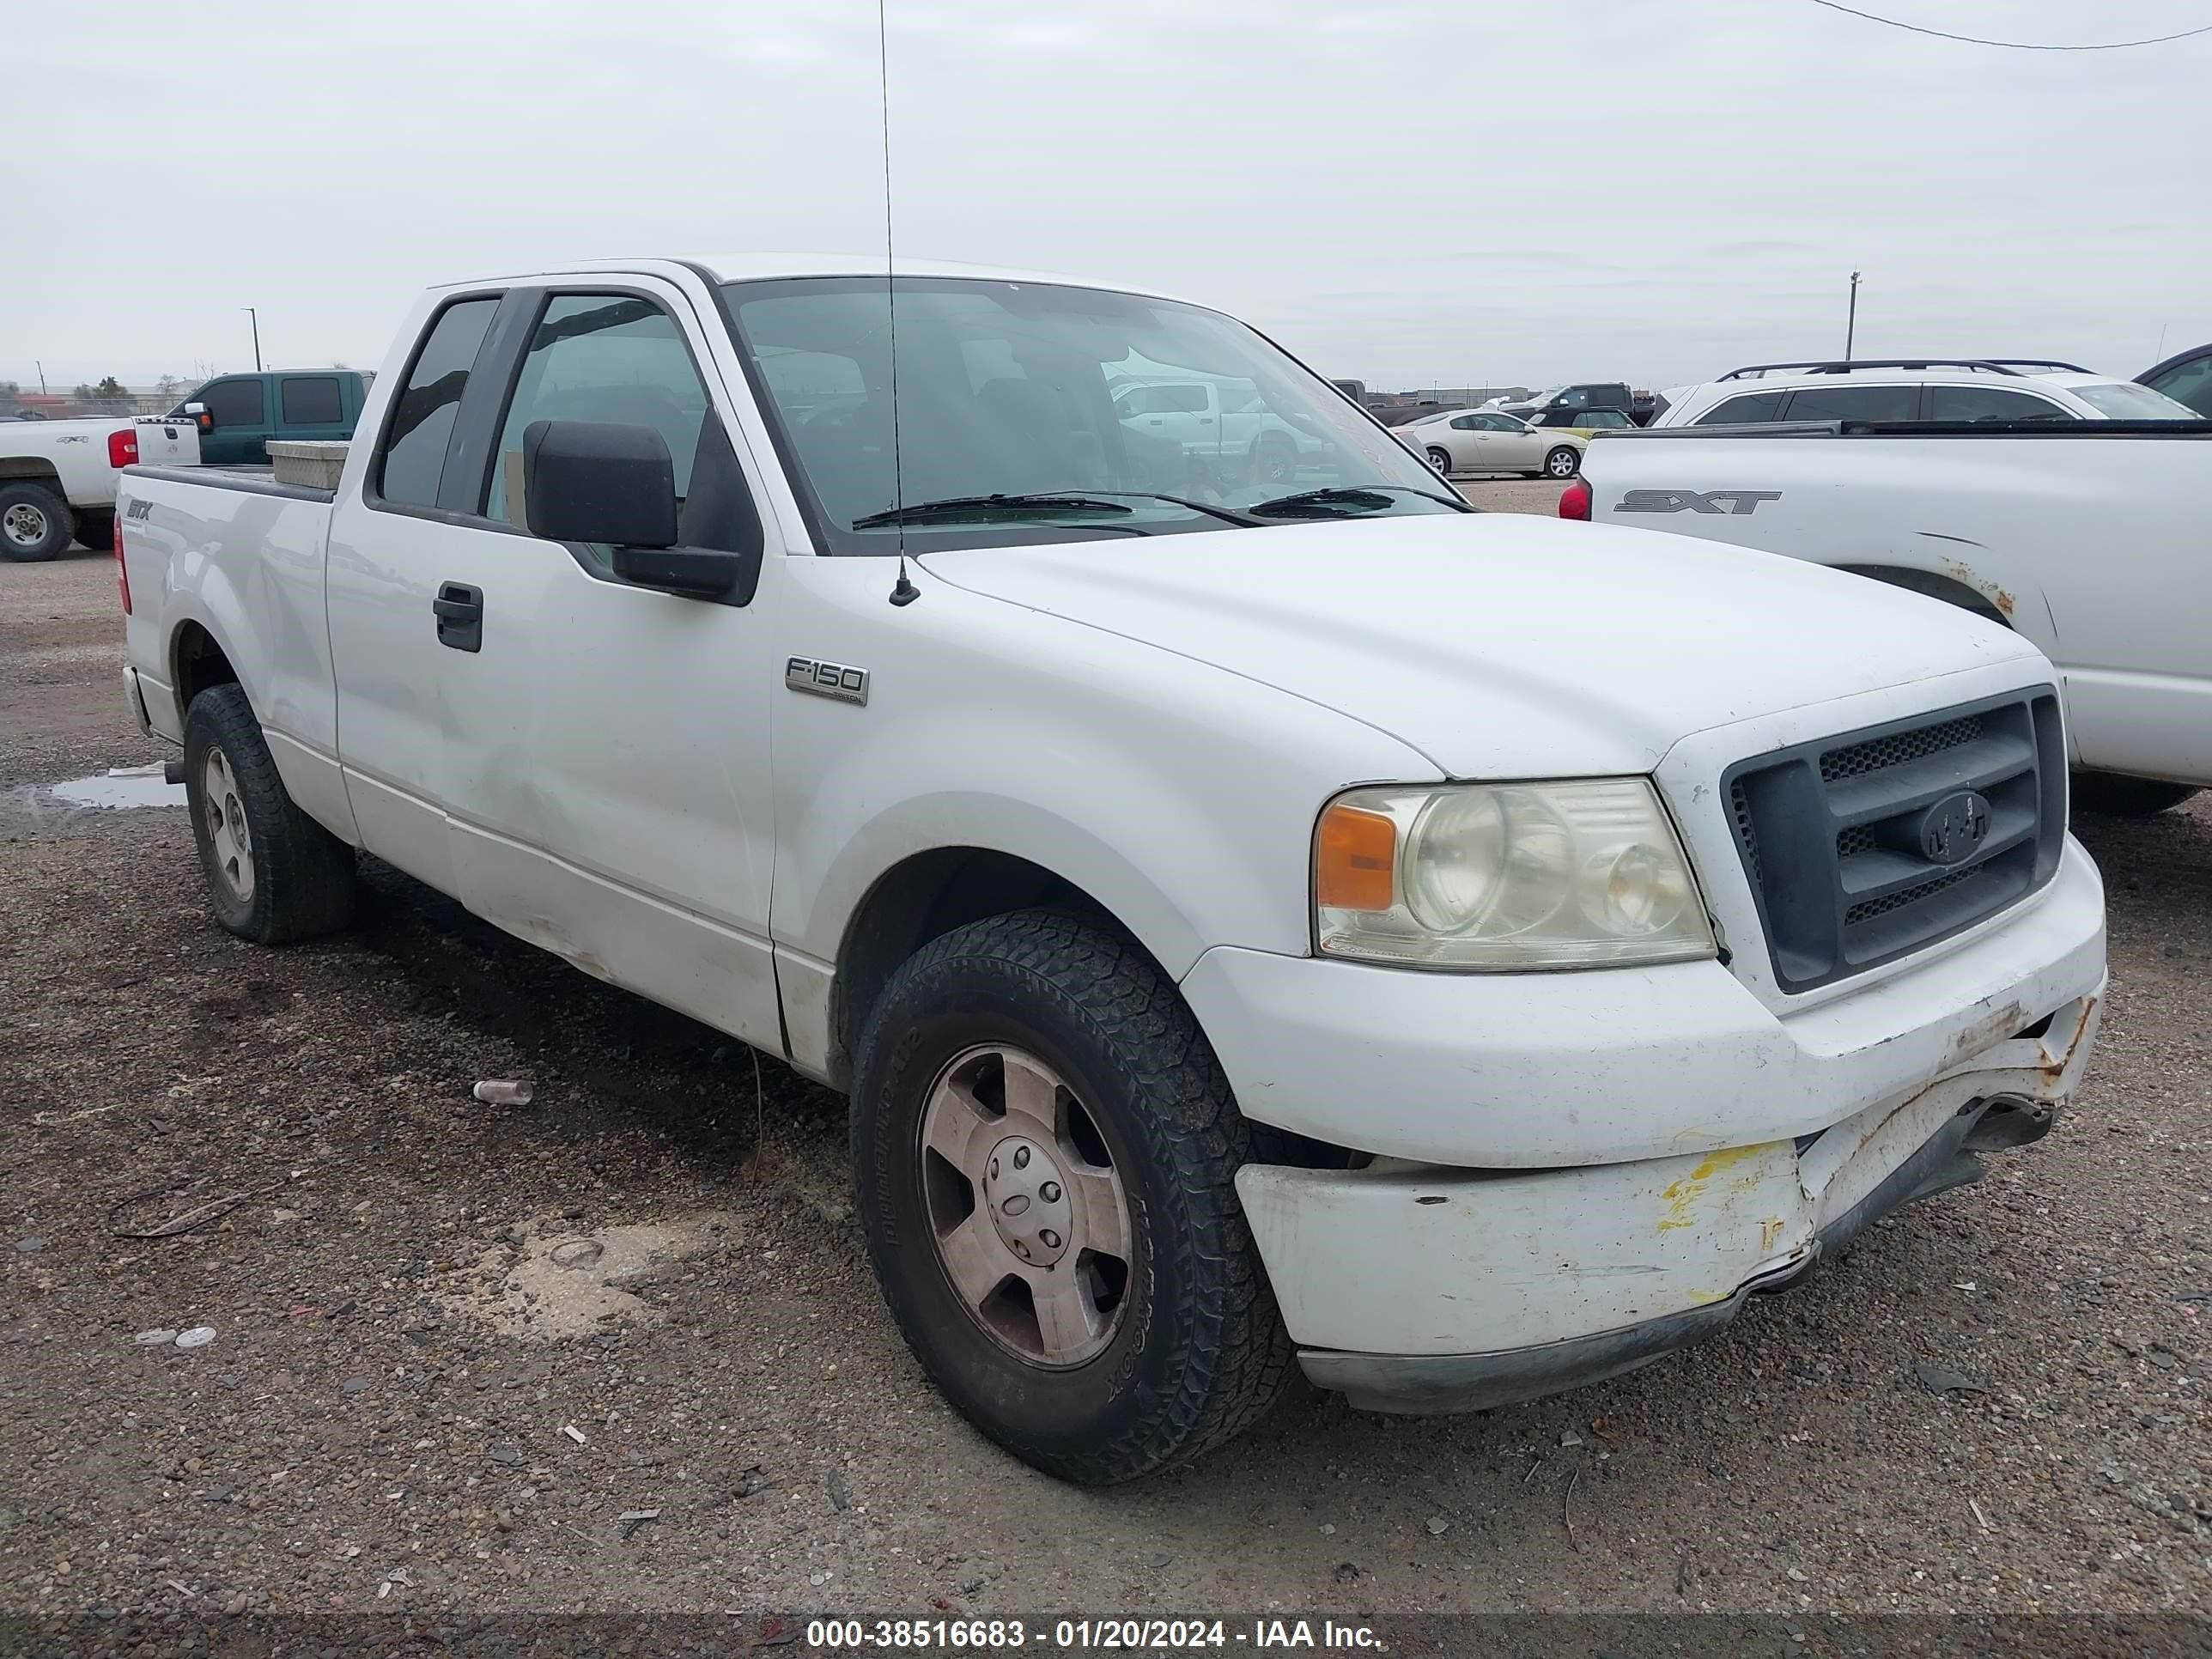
{"points": [[1200, 1352], [33, 504], [304, 879], [95, 529], [2127, 798]]}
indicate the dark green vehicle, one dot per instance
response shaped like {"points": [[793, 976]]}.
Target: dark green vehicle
{"points": [[238, 414]]}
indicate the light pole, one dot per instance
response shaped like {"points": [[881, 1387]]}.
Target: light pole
{"points": [[256, 317], [1852, 326]]}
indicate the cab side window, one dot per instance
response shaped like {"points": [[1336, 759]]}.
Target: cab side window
{"points": [[605, 357], [2188, 383], [235, 403]]}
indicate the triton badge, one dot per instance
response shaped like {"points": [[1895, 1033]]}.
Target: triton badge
{"points": [[827, 679]]}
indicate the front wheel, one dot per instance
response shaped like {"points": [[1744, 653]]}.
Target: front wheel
{"points": [[2127, 798], [273, 873], [1563, 463], [1044, 1154]]}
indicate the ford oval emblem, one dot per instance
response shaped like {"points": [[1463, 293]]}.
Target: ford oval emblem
{"points": [[1953, 829]]}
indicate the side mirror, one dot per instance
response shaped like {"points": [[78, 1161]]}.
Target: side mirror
{"points": [[592, 481], [199, 413]]}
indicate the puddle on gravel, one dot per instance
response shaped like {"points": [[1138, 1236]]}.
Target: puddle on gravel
{"points": [[559, 1282], [122, 787]]}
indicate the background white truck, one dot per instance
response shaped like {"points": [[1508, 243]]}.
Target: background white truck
{"points": [[2089, 539], [1465, 956], [58, 478]]}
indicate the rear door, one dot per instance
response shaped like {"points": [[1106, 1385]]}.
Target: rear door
{"points": [[392, 541]]}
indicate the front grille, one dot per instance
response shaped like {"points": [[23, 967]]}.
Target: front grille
{"points": [[1865, 846]]}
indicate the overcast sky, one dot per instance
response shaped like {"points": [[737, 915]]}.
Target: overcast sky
{"points": [[1411, 191]]}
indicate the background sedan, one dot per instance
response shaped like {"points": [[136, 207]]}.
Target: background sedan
{"points": [[1488, 440]]}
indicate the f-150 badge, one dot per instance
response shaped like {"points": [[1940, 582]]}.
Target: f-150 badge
{"points": [[827, 679]]}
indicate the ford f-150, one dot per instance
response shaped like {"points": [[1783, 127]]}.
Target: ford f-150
{"points": [[1463, 955]]}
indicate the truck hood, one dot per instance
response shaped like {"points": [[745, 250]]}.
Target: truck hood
{"points": [[1502, 644]]}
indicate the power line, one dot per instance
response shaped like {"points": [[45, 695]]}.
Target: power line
{"points": [[2012, 45]]}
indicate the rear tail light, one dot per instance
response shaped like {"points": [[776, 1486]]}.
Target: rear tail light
{"points": [[122, 570], [123, 448], [1575, 501]]}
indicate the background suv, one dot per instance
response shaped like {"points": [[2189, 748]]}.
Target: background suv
{"points": [[1924, 389]]}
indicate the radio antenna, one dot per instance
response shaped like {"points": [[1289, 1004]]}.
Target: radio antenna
{"points": [[903, 592]]}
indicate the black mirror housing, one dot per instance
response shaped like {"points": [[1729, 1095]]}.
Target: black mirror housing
{"points": [[595, 481]]}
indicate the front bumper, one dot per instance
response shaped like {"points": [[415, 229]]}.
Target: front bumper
{"points": [[1425, 1291], [1542, 1071]]}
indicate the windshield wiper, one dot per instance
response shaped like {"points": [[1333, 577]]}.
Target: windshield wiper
{"points": [[1225, 514], [960, 505], [1360, 497], [957, 507]]}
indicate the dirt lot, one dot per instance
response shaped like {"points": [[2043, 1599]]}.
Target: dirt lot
{"points": [[385, 1418]]}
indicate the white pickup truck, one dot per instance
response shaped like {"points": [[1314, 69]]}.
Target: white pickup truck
{"points": [[2087, 539], [57, 478], [1463, 955]]}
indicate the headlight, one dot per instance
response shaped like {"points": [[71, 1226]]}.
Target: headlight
{"points": [[1506, 876]]}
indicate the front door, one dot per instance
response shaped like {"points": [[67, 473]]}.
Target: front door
{"points": [[611, 797], [239, 407]]}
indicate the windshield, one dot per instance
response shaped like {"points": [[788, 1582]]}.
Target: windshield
{"points": [[1161, 417], [2124, 400]]}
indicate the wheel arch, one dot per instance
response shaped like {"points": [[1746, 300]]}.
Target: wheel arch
{"points": [[32, 469], [923, 897], [197, 661], [1992, 603]]}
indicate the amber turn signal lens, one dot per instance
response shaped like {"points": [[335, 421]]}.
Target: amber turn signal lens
{"points": [[1355, 860]]}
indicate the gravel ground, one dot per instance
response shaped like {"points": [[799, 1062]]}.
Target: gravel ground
{"points": [[401, 1407]]}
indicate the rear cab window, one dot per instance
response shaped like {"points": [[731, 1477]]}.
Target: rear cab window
{"points": [[411, 458], [311, 400]]}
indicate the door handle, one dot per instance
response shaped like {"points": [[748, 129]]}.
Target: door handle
{"points": [[459, 610]]}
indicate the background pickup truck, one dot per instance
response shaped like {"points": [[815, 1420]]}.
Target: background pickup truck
{"points": [[1463, 955], [58, 478], [238, 414], [2089, 540]]}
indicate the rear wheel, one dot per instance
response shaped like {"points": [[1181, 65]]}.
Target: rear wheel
{"points": [[35, 523], [1440, 459], [2127, 798], [96, 529], [273, 873], [1563, 463], [1044, 1154]]}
